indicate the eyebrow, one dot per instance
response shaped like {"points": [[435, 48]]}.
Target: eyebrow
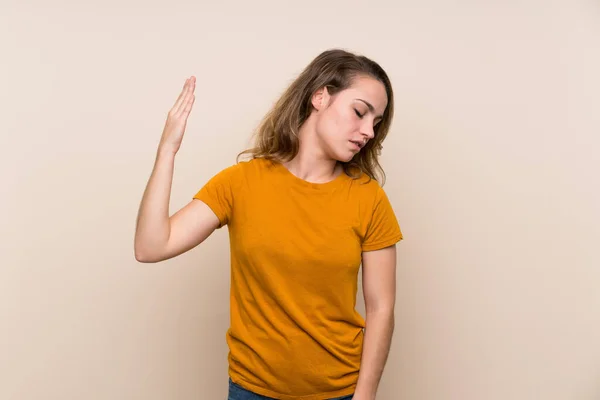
{"points": [[371, 108]]}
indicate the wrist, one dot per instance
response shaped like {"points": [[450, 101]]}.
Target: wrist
{"points": [[165, 152]]}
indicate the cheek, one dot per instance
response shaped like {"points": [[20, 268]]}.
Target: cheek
{"points": [[327, 125], [335, 124]]}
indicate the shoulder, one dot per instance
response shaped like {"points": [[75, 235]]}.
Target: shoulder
{"points": [[366, 186], [241, 167], [252, 167], [241, 171], [370, 194]]}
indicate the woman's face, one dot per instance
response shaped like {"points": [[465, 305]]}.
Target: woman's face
{"points": [[346, 121]]}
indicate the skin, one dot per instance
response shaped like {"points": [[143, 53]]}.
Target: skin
{"points": [[324, 142]]}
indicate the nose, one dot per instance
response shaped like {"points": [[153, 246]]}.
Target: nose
{"points": [[367, 131]]}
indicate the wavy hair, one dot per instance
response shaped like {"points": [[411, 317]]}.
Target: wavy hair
{"points": [[276, 137]]}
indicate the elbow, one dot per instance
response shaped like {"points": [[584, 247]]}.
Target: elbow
{"points": [[382, 311], [384, 317], [144, 256], [147, 259]]}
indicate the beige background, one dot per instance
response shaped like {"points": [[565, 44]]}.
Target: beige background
{"points": [[492, 167]]}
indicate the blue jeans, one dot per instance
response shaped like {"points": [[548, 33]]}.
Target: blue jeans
{"points": [[236, 392]]}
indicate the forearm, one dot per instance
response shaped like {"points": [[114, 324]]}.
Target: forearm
{"points": [[152, 225], [376, 346]]}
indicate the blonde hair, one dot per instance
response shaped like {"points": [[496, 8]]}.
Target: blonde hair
{"points": [[276, 137]]}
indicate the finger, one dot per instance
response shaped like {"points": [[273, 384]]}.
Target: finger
{"points": [[181, 104], [188, 107], [188, 95], [181, 95]]}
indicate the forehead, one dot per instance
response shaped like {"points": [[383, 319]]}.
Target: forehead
{"points": [[368, 89]]}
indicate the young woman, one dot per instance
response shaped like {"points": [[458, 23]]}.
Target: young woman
{"points": [[303, 213]]}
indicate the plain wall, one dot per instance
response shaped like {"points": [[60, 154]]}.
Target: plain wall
{"points": [[492, 168]]}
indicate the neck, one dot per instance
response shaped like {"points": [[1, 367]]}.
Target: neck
{"points": [[311, 163]]}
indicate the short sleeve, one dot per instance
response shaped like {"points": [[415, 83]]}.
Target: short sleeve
{"points": [[383, 229], [217, 194]]}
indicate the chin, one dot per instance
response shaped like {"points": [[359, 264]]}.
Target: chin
{"points": [[341, 157], [341, 154]]}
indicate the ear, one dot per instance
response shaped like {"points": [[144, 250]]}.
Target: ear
{"points": [[320, 98]]}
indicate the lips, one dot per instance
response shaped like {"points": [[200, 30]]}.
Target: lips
{"points": [[357, 143]]}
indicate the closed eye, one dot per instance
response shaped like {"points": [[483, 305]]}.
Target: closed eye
{"points": [[357, 113]]}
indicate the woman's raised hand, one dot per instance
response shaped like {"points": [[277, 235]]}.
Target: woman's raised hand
{"points": [[177, 118]]}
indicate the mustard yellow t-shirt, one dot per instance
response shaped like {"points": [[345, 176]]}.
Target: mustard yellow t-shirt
{"points": [[295, 256]]}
